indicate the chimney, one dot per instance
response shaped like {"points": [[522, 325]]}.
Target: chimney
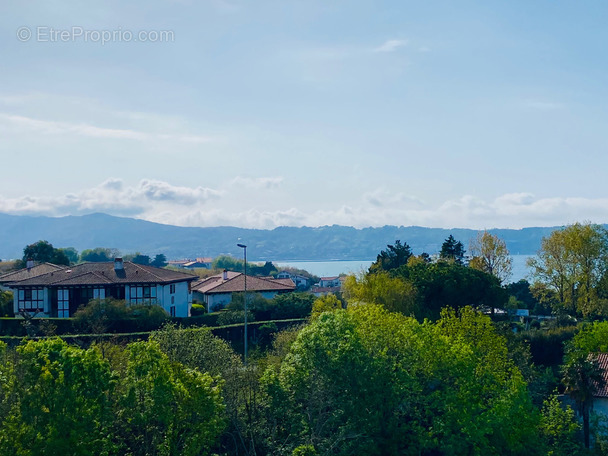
{"points": [[225, 274], [118, 266], [29, 264]]}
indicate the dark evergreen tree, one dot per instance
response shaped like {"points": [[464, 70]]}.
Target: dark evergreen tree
{"points": [[393, 257], [159, 261], [451, 249]]}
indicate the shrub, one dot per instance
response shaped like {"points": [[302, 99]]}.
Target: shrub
{"points": [[6, 304], [231, 317], [291, 305], [197, 309], [112, 315]]}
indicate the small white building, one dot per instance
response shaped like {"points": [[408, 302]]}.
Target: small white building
{"points": [[216, 291], [58, 291], [330, 282], [299, 280]]}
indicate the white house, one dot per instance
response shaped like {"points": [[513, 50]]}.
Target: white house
{"points": [[330, 282], [60, 290], [216, 291], [300, 280]]}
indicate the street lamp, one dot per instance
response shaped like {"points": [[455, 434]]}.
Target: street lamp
{"points": [[244, 247]]}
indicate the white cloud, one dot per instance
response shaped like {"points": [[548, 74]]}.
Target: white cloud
{"points": [[391, 45], [163, 202], [112, 196], [47, 127]]}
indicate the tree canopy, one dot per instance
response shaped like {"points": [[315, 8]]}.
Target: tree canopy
{"points": [[393, 257], [491, 255], [44, 252], [402, 375], [452, 250], [573, 263], [99, 254]]}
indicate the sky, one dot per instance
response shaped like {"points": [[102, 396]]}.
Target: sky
{"points": [[258, 114]]}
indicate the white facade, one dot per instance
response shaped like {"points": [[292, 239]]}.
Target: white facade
{"points": [[329, 282], [217, 301], [174, 298], [299, 280]]}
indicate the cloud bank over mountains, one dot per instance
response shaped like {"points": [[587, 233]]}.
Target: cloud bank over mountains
{"points": [[253, 202]]}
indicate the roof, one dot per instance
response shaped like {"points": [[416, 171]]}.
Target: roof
{"points": [[104, 274], [602, 362], [287, 282], [330, 278], [25, 273], [236, 282]]}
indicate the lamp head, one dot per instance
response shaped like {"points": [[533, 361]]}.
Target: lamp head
{"points": [[243, 246]]}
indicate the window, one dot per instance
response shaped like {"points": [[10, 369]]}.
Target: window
{"points": [[31, 300], [172, 299], [172, 288], [143, 294], [63, 303], [86, 294], [172, 310]]}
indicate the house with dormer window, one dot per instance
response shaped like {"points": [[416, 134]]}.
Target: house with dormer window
{"points": [[58, 291]]}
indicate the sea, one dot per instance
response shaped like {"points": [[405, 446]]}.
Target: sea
{"points": [[335, 268]]}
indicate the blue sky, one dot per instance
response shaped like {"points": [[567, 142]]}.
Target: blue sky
{"points": [[267, 113]]}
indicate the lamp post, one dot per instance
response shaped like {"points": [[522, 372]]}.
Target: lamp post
{"points": [[244, 247]]}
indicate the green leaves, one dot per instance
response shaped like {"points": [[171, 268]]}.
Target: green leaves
{"points": [[573, 263], [368, 381], [58, 399], [61, 401]]}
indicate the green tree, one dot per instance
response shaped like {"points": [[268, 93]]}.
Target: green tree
{"points": [[166, 409], [367, 381], [159, 261], [444, 284], [573, 263], [452, 250], [141, 259], [325, 303], [558, 428], [6, 304], [44, 252], [491, 255], [198, 348], [62, 401], [581, 376], [393, 257], [393, 293], [71, 253], [99, 254]]}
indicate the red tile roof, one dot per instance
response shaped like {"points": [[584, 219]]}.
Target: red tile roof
{"points": [[236, 282], [24, 274], [602, 362], [103, 274]]}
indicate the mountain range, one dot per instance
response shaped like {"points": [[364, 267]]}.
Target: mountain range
{"points": [[280, 244]]}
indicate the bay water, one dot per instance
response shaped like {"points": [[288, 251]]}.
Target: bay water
{"points": [[335, 268]]}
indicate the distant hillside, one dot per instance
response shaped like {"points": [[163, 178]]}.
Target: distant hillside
{"points": [[283, 243]]}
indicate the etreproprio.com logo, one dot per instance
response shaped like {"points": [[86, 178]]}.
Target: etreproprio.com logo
{"points": [[45, 34]]}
